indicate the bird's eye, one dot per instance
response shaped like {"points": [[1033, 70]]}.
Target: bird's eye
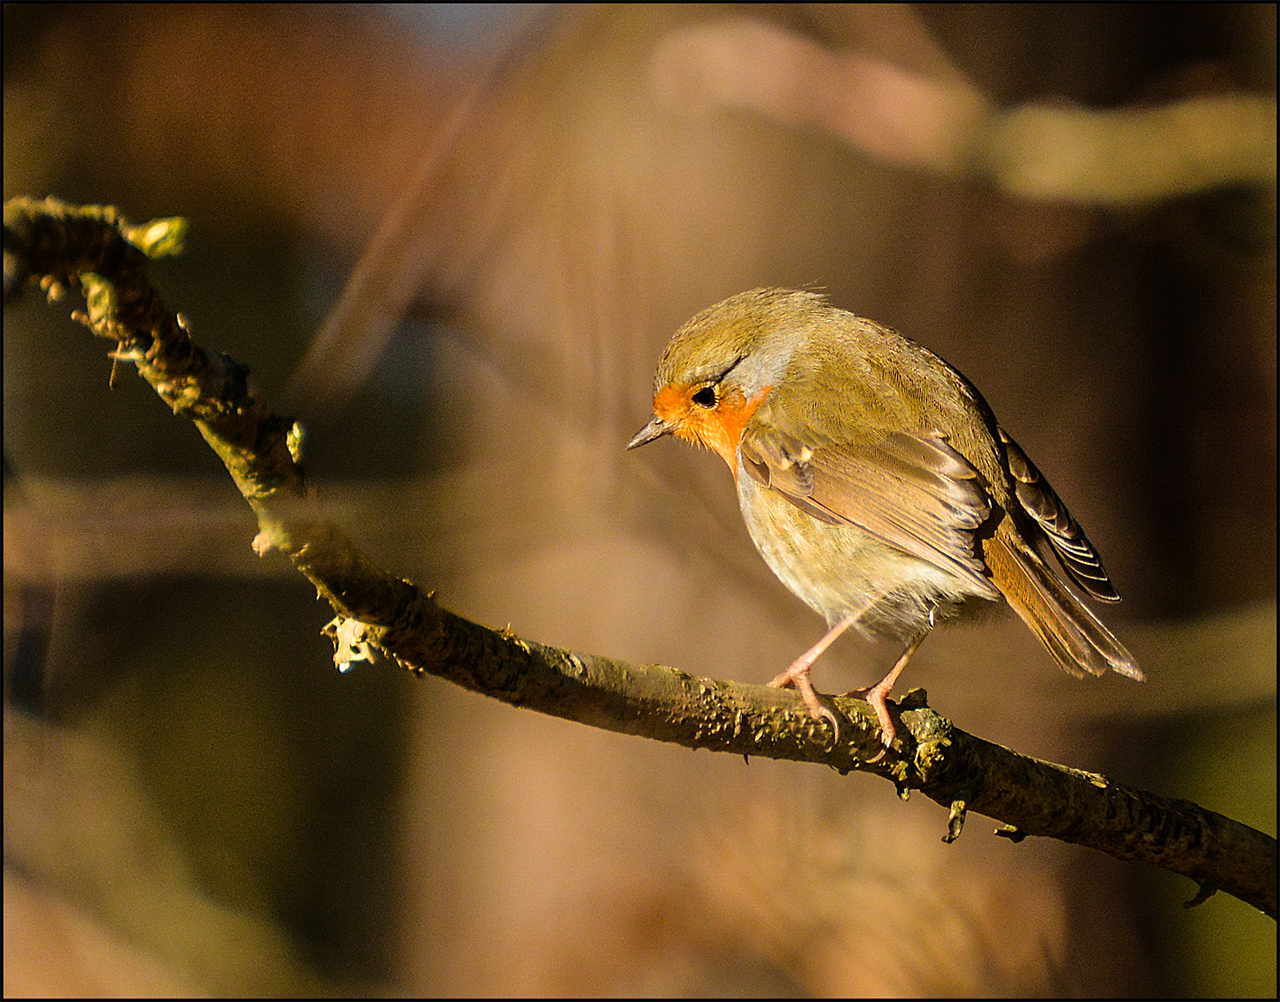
{"points": [[705, 397]]}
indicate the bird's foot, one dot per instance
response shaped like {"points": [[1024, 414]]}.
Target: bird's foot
{"points": [[797, 677], [877, 696]]}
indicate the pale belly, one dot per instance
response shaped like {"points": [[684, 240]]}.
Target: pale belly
{"points": [[839, 570]]}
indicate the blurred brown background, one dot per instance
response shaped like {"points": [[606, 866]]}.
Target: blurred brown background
{"points": [[1067, 202]]}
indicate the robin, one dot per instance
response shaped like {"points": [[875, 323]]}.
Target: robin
{"points": [[877, 484]]}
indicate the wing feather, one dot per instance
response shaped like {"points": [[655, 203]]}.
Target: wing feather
{"points": [[915, 492], [1072, 548]]}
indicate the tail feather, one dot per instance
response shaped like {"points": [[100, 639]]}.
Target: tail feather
{"points": [[1072, 634]]}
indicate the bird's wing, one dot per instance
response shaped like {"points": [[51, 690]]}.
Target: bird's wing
{"points": [[1073, 549], [915, 492]]}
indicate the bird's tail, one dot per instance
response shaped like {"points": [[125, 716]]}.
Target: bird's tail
{"points": [[1073, 635]]}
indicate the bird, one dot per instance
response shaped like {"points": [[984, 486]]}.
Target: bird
{"points": [[877, 485]]}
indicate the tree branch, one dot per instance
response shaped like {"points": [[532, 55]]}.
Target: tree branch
{"points": [[100, 253]]}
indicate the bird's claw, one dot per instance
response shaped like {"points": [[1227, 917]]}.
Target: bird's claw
{"points": [[877, 696], [799, 680]]}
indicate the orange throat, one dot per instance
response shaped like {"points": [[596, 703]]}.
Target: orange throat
{"points": [[718, 428]]}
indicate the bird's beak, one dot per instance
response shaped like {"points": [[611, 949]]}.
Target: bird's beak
{"points": [[654, 430]]}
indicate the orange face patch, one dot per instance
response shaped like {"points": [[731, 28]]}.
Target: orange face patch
{"points": [[718, 428]]}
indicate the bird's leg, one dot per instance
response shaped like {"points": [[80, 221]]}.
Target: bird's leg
{"points": [[877, 694], [797, 676]]}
